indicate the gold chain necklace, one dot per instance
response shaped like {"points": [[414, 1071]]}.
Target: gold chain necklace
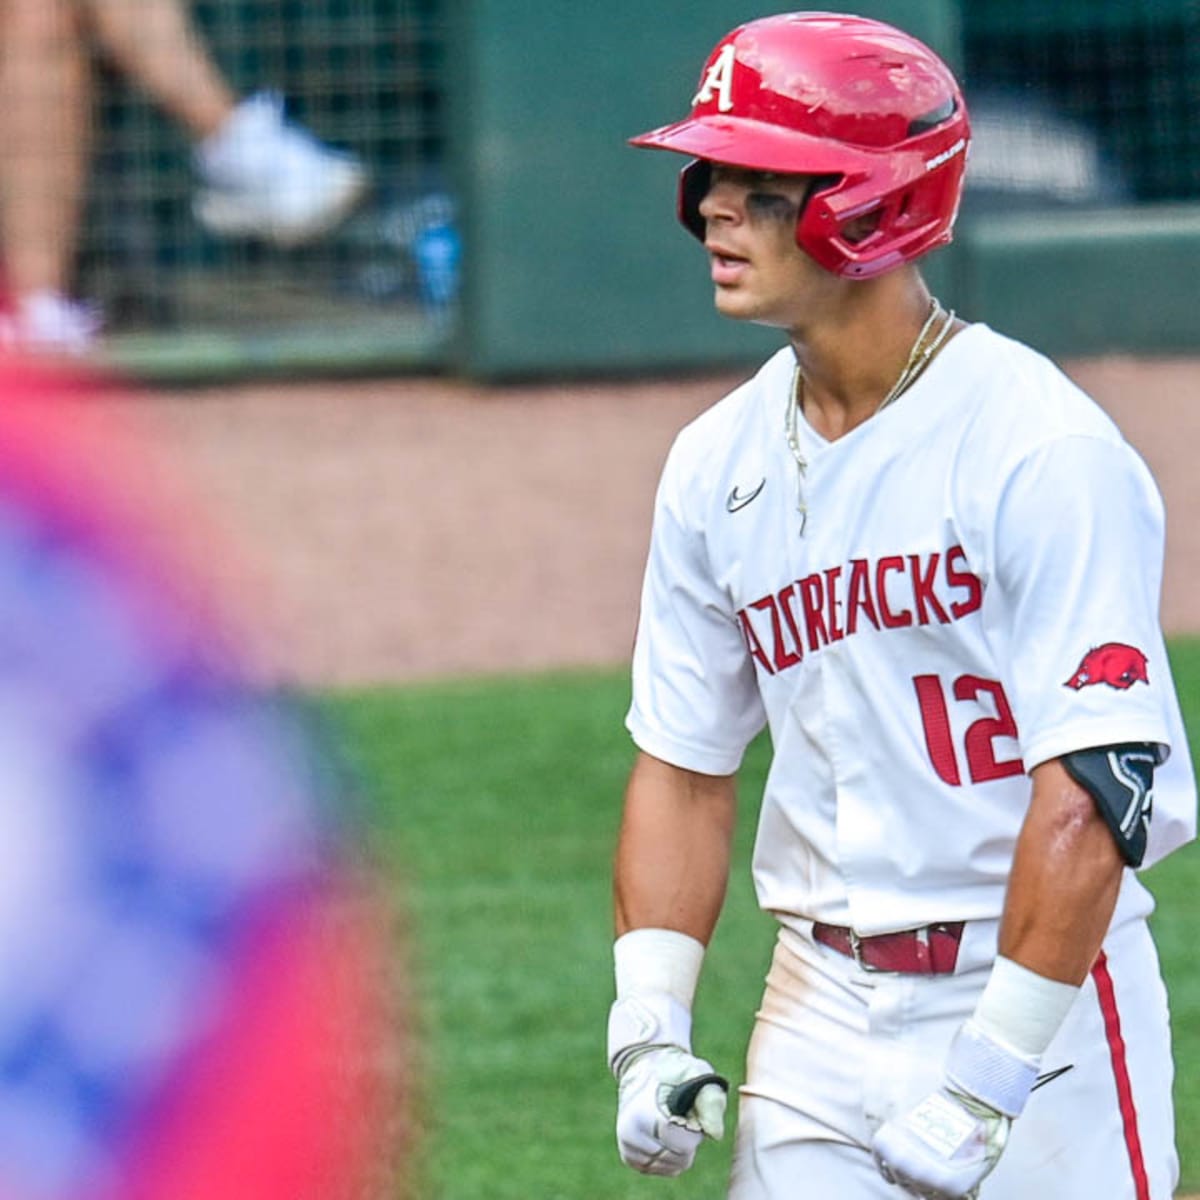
{"points": [[918, 359]]}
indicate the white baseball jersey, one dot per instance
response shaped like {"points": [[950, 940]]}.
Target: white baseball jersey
{"points": [[976, 591]]}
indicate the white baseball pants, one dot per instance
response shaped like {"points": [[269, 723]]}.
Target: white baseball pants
{"points": [[837, 1050]]}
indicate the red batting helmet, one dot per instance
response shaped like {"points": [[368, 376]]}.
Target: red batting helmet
{"points": [[869, 110]]}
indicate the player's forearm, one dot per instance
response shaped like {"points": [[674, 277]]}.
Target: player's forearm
{"points": [[1064, 882], [672, 862], [1062, 889]]}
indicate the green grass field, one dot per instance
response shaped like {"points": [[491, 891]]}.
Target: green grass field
{"points": [[494, 806]]}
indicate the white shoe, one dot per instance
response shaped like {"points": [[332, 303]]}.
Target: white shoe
{"points": [[264, 177], [47, 322]]}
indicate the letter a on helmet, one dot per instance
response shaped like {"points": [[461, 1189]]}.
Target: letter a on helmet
{"points": [[718, 80], [869, 110]]}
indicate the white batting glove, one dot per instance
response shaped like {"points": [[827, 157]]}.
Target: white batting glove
{"points": [[668, 1099], [944, 1147]]}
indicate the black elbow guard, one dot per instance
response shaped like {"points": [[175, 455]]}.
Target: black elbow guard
{"points": [[1120, 779]]}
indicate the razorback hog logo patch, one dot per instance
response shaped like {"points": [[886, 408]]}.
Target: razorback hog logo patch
{"points": [[1114, 663]]}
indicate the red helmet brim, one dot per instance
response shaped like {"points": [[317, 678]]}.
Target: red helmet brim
{"points": [[741, 142]]}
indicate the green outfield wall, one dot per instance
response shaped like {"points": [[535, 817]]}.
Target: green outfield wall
{"points": [[1081, 284]]}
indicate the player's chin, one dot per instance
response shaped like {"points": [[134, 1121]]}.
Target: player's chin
{"points": [[735, 302], [738, 304]]}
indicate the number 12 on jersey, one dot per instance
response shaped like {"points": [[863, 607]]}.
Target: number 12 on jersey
{"points": [[978, 741]]}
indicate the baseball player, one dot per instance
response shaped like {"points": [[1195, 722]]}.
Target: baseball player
{"points": [[930, 566]]}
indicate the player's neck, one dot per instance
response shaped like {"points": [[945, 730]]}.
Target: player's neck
{"points": [[852, 357]]}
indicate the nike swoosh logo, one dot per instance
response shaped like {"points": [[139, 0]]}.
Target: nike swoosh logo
{"points": [[1050, 1076], [733, 501]]}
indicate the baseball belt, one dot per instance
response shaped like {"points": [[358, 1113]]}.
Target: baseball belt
{"points": [[930, 950]]}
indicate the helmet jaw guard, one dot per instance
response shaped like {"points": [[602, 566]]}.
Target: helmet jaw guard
{"points": [[914, 217], [871, 110]]}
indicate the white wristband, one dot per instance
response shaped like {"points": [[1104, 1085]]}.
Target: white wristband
{"points": [[658, 960], [1021, 1009], [990, 1071]]}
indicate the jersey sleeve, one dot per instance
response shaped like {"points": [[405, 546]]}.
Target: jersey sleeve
{"points": [[1078, 558], [695, 699]]}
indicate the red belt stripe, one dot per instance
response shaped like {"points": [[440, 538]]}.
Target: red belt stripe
{"points": [[1116, 1050]]}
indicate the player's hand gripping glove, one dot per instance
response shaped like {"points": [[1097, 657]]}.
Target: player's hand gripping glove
{"points": [[668, 1099], [942, 1148], [945, 1146]]}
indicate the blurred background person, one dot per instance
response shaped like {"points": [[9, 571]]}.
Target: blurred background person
{"points": [[257, 174], [193, 997]]}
